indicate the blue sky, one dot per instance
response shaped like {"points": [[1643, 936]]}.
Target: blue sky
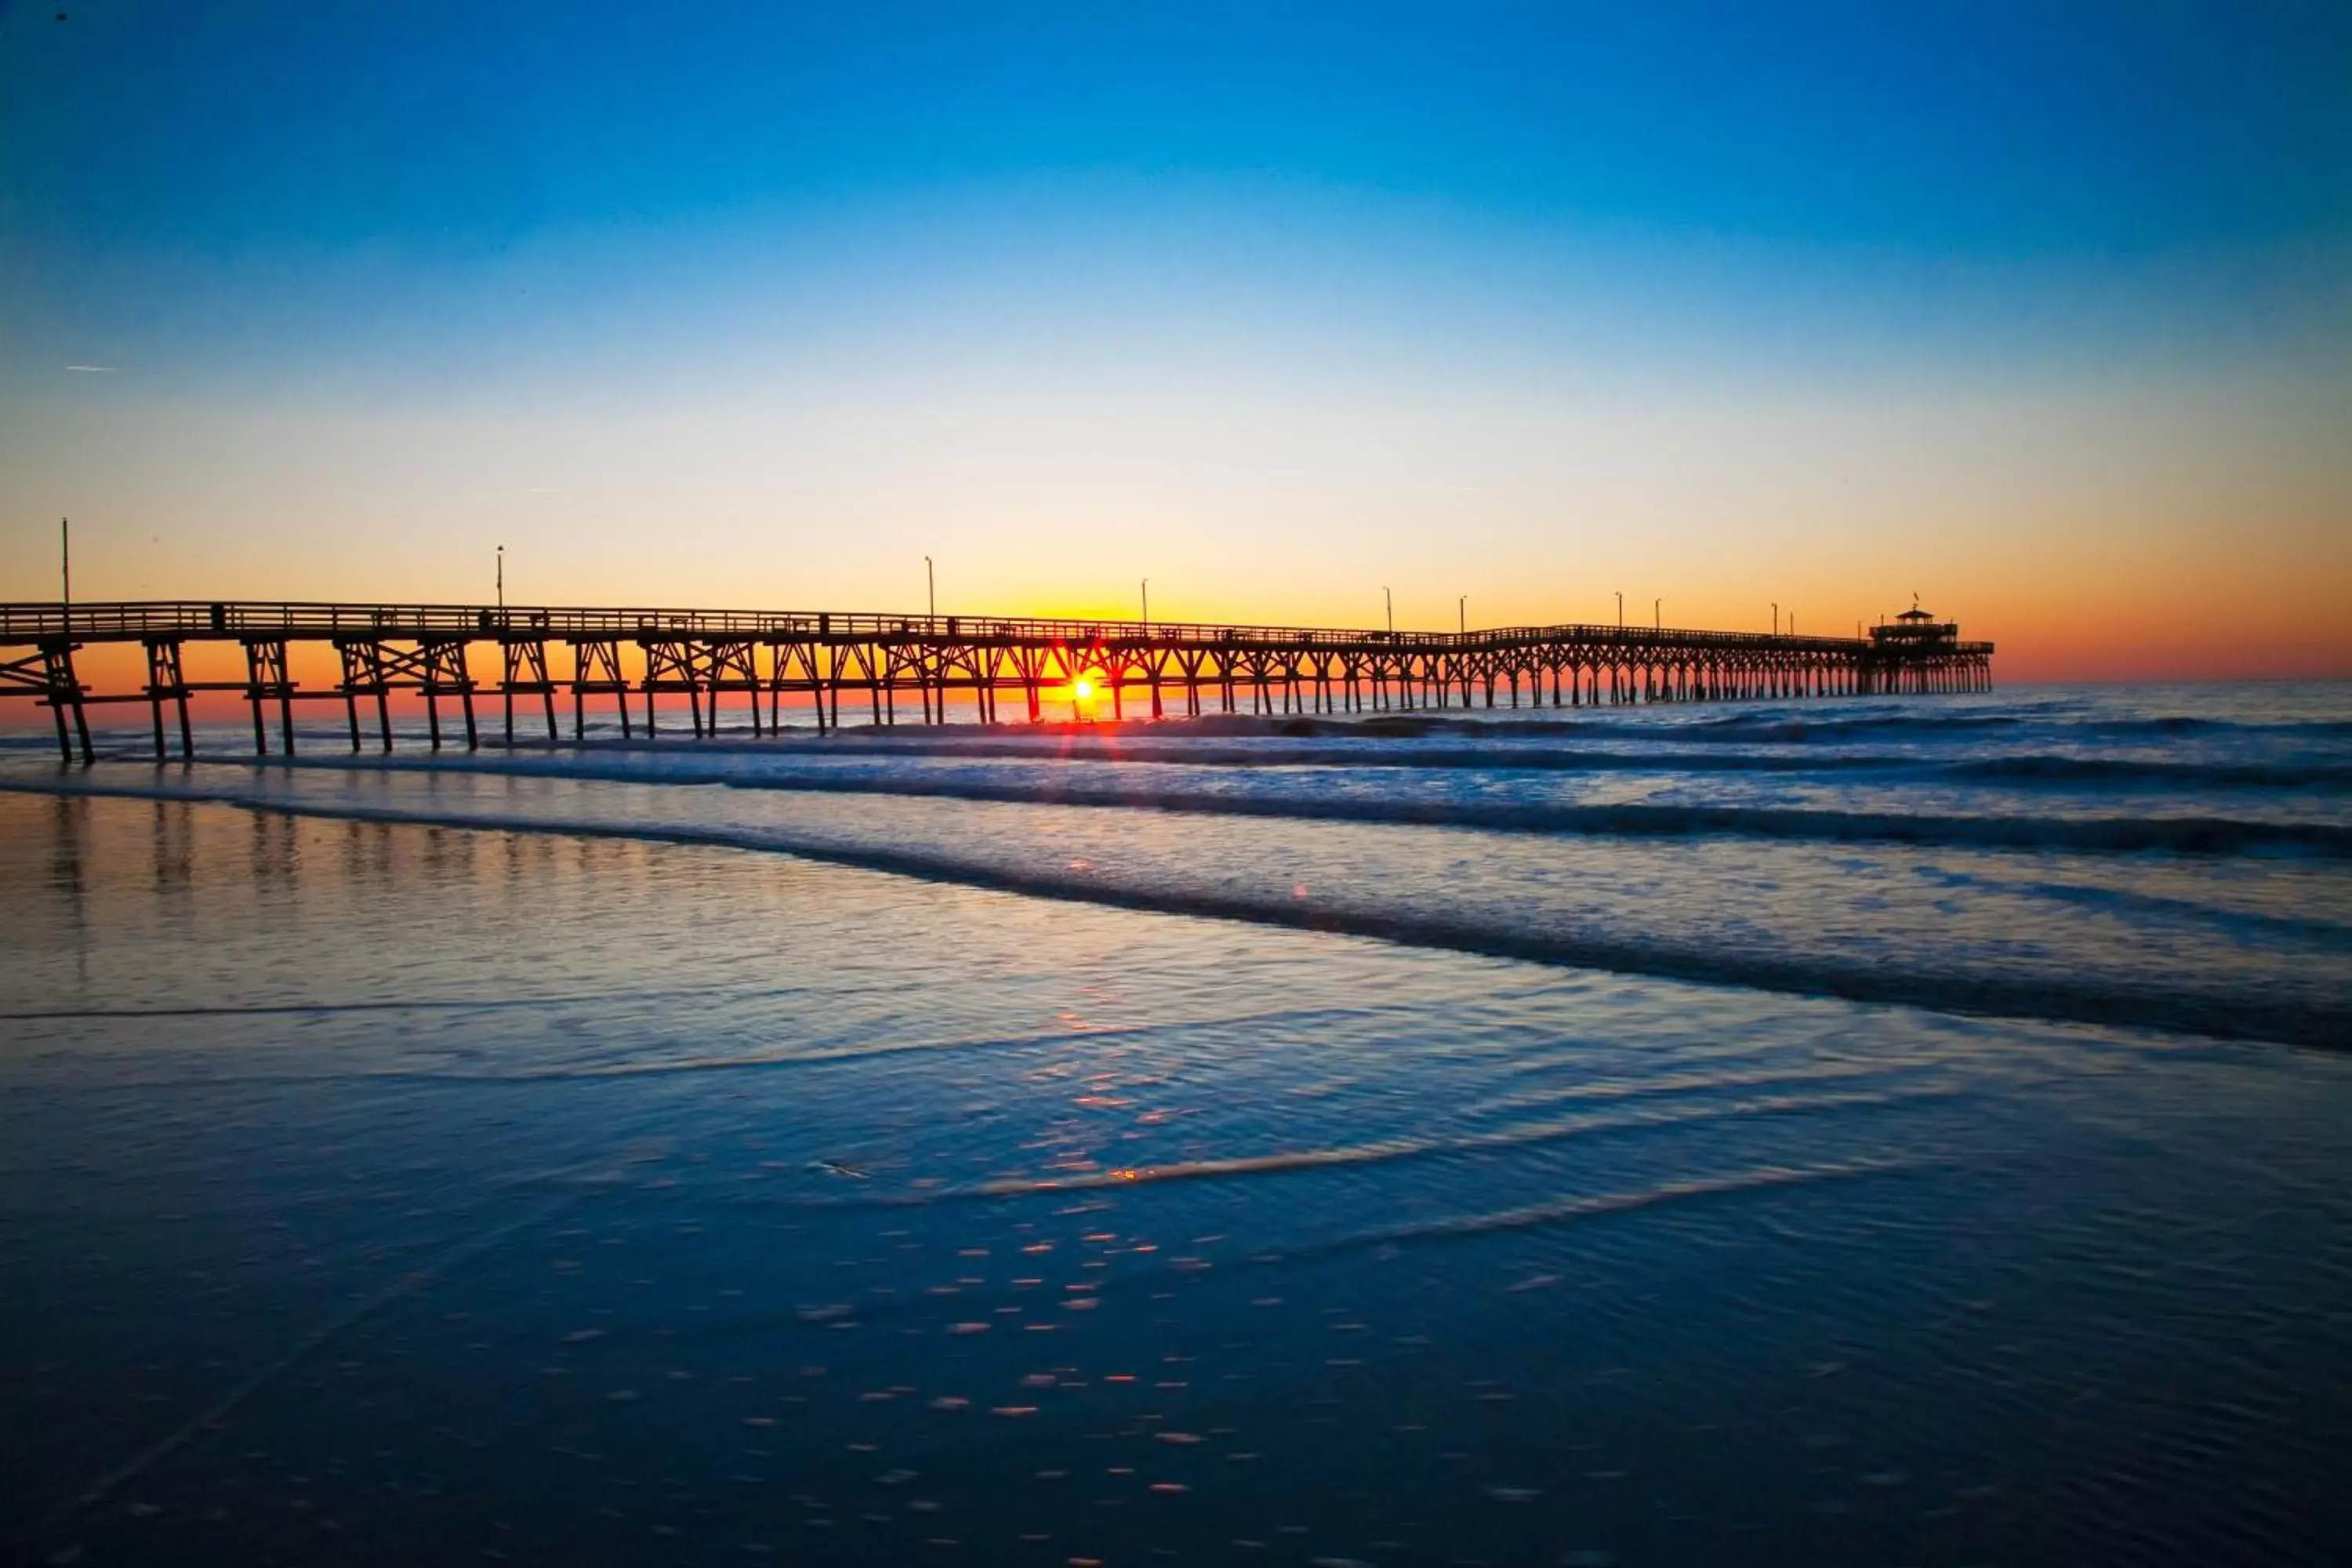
{"points": [[1643, 286], [436, 128]]}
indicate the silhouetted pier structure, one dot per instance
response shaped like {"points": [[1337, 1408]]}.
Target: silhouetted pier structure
{"points": [[878, 662]]}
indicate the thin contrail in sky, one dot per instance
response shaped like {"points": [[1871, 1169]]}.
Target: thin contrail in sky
{"points": [[99, 369]]}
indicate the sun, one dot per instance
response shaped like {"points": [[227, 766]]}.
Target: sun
{"points": [[1082, 689]]}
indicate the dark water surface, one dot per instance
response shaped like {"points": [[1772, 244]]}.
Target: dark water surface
{"points": [[1852, 1132]]}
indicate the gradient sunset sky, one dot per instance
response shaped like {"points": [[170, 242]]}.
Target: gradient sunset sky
{"points": [[2041, 310]]}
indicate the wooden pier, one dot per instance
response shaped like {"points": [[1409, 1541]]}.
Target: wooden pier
{"points": [[883, 665]]}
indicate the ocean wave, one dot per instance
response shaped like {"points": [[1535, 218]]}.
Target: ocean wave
{"points": [[2183, 835], [1791, 728], [2246, 924], [2079, 998], [1641, 722], [2136, 770], [1565, 1211], [326, 1009], [1557, 1211], [1774, 726], [1497, 756], [1493, 756], [2174, 835], [1820, 729], [1390, 1150], [1644, 722]]}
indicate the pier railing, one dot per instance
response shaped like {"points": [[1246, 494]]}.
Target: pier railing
{"points": [[198, 619]]}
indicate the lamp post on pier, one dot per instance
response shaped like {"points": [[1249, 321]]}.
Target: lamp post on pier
{"points": [[1147, 604], [1621, 608], [1657, 616], [1389, 599], [930, 590], [1462, 611], [502, 579]]}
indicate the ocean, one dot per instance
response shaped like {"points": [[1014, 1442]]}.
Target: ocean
{"points": [[1902, 1131]]}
